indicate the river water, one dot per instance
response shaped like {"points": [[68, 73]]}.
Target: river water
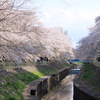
{"points": [[63, 91]]}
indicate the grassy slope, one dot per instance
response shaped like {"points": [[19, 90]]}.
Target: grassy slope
{"points": [[91, 78], [13, 82], [78, 63]]}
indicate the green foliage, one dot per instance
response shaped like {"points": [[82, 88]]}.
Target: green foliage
{"points": [[12, 98], [8, 78], [96, 89]]}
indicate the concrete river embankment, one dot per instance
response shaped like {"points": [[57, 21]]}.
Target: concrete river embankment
{"points": [[63, 91]]}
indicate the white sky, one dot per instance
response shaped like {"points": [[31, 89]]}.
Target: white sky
{"points": [[75, 16]]}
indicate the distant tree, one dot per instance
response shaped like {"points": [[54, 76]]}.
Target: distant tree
{"points": [[89, 47], [57, 44], [97, 19]]}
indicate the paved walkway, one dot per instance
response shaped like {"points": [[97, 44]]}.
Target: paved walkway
{"points": [[63, 91]]}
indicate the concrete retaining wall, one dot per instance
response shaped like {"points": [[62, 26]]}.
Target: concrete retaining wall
{"points": [[82, 91], [96, 63], [36, 89]]}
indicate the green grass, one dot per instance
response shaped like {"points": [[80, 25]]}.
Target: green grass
{"points": [[13, 84], [44, 72], [90, 77], [78, 63], [88, 72]]}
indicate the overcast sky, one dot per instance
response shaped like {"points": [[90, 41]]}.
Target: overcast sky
{"points": [[75, 16]]}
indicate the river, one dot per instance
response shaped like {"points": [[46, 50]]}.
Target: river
{"points": [[63, 91]]}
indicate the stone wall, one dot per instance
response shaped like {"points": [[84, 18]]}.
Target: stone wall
{"points": [[36, 89], [82, 91]]}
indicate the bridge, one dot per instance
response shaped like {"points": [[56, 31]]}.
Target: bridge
{"points": [[76, 68]]}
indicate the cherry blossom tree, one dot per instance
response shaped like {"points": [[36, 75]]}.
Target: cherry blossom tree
{"points": [[89, 47], [56, 44], [24, 39]]}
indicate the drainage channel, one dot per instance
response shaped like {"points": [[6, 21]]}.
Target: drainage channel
{"points": [[63, 91]]}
